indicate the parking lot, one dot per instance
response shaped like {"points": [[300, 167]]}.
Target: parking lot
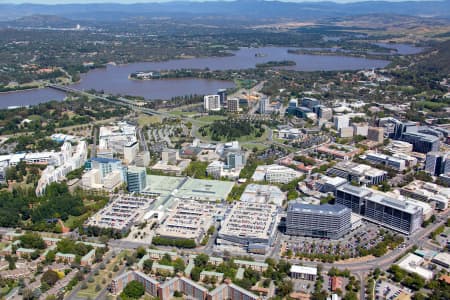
{"points": [[365, 237], [387, 290]]}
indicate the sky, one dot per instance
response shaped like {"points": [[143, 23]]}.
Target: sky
{"points": [[143, 1]]}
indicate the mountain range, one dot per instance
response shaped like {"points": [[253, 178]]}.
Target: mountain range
{"points": [[251, 9]]}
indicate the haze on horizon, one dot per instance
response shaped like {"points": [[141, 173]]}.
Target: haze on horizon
{"points": [[60, 2]]}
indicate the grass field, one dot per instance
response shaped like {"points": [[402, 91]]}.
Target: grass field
{"points": [[210, 119], [146, 119]]}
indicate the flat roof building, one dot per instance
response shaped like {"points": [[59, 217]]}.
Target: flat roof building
{"points": [[402, 216], [259, 193], [188, 219], [359, 173], [249, 223], [323, 221], [413, 264], [302, 272]]}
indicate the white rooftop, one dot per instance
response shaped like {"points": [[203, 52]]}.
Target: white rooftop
{"points": [[304, 270]]}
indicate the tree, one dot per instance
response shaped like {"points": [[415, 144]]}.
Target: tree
{"points": [[201, 260], [140, 252], [50, 277], [285, 288], [134, 289], [32, 241], [350, 295], [178, 265], [147, 265], [195, 273]]}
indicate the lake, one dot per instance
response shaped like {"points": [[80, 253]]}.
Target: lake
{"points": [[114, 79]]}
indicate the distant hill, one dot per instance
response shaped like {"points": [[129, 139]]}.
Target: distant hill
{"points": [[437, 63], [43, 21], [241, 8]]}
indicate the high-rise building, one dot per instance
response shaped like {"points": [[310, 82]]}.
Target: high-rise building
{"points": [[263, 105], [360, 129], [325, 113], [402, 215], [211, 102], [375, 134], [396, 214], [235, 160], [324, 221], [130, 151], [170, 156], [421, 142], [223, 96], [341, 122], [435, 163], [105, 165], [310, 102], [352, 197], [233, 105], [136, 179]]}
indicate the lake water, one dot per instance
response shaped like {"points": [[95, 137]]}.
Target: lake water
{"points": [[114, 79]]}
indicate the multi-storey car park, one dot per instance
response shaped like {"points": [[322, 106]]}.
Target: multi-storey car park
{"points": [[188, 219], [249, 224], [121, 212]]}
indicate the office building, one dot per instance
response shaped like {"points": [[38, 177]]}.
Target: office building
{"points": [[389, 210], [142, 159], [235, 160], [422, 143], [302, 272], [310, 102], [436, 162], [261, 193], [323, 221], [427, 192], [341, 122], [211, 103], [275, 174], [413, 263], [114, 138], [375, 134], [136, 179], [352, 197], [338, 151], [264, 104], [399, 147], [403, 216], [392, 127], [170, 156], [222, 96], [105, 165], [346, 132], [359, 173], [233, 105], [360, 129], [395, 163], [130, 151], [325, 113]]}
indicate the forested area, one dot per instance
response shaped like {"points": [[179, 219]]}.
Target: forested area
{"points": [[22, 208]]}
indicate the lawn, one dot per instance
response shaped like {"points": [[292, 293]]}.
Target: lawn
{"points": [[210, 119], [144, 119]]}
